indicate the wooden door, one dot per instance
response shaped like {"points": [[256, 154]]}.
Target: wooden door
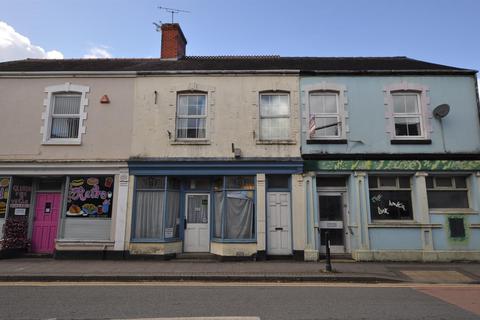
{"points": [[45, 223]]}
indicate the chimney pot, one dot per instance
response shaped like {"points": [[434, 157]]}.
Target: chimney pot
{"points": [[173, 41]]}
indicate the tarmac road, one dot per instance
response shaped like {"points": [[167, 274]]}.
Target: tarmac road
{"points": [[258, 300]]}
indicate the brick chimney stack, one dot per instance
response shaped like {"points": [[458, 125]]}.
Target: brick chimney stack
{"points": [[173, 41]]}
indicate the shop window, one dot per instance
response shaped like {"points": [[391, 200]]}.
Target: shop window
{"points": [[191, 116], [445, 192], [390, 198], [274, 116], [4, 192], [65, 114], [331, 182], [198, 184], [50, 184], [278, 181], [157, 208], [90, 197], [234, 208]]}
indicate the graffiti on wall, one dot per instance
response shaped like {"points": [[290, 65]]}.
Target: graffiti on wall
{"points": [[377, 165]]}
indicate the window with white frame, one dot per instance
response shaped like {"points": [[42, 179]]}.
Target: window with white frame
{"points": [[65, 114], [191, 116], [407, 114], [274, 116], [444, 192], [325, 109], [390, 198]]}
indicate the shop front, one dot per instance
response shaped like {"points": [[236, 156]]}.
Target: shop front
{"points": [[399, 210], [63, 212], [222, 208]]}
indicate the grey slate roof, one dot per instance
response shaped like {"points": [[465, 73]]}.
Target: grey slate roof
{"points": [[235, 63]]}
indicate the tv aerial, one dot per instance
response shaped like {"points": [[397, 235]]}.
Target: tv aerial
{"points": [[173, 11]]}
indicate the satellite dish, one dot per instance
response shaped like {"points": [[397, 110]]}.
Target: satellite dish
{"points": [[441, 111]]}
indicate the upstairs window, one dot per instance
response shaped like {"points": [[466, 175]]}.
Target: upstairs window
{"points": [[65, 114], [324, 108], [274, 116], [65, 119], [445, 192], [191, 116], [407, 115]]}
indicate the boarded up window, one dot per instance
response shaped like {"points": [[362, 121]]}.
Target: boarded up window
{"points": [[456, 227]]}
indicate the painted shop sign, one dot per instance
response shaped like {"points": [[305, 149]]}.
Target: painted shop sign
{"points": [[90, 197], [377, 165], [4, 188], [21, 193]]}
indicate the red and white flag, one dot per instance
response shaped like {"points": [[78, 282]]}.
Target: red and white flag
{"points": [[311, 126]]}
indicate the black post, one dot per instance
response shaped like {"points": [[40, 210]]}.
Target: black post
{"points": [[328, 265]]}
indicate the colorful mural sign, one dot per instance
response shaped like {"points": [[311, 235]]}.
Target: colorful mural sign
{"points": [[4, 189], [90, 197], [397, 165]]}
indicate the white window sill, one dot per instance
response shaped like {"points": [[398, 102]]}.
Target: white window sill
{"points": [[453, 211], [286, 141], [61, 142], [190, 142], [401, 224]]}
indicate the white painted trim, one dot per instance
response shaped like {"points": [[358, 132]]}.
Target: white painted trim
{"points": [[61, 168], [120, 219], [258, 114], [47, 114], [342, 102], [192, 87], [424, 105]]}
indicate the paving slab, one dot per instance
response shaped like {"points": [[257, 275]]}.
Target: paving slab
{"points": [[44, 269]]}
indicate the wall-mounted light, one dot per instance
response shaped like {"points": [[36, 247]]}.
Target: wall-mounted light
{"points": [[104, 99]]}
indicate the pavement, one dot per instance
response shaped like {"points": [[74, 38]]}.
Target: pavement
{"points": [[48, 269]]}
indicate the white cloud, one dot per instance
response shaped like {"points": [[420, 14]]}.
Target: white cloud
{"points": [[98, 53], [15, 46]]}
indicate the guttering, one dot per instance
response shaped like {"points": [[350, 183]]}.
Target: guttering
{"points": [[206, 72], [168, 72], [6, 74], [388, 72]]}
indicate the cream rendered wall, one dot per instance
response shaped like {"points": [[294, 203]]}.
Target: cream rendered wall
{"points": [[108, 126], [299, 227], [232, 116]]}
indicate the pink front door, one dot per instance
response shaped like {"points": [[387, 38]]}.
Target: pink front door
{"points": [[45, 221]]}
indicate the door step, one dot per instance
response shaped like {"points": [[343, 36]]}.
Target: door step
{"points": [[196, 256], [337, 256], [37, 255]]}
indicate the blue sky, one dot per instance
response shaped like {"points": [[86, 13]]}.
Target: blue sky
{"points": [[442, 31]]}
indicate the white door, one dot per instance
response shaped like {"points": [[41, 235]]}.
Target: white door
{"points": [[332, 220], [197, 215], [278, 223]]}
